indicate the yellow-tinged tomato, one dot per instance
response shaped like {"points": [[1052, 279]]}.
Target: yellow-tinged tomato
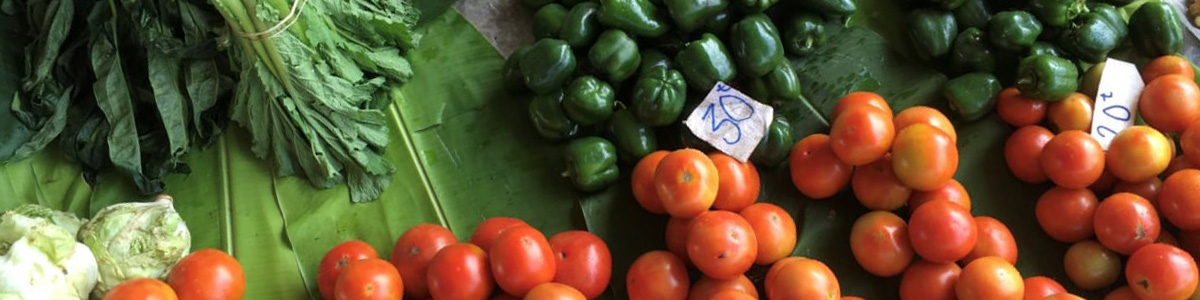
{"points": [[1138, 153]]}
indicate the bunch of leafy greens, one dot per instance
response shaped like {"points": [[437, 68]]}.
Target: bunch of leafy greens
{"points": [[121, 84], [313, 94]]}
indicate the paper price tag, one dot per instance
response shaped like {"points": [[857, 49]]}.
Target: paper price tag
{"points": [[1116, 100], [730, 121]]}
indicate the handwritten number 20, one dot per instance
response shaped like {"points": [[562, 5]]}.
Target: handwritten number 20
{"points": [[716, 124]]}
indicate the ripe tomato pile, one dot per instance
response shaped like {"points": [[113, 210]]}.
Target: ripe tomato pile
{"points": [[428, 262]]}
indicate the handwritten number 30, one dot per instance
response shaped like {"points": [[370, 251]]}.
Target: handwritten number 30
{"points": [[716, 124]]}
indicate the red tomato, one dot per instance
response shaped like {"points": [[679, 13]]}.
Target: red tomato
{"points": [[1138, 153], [1148, 189], [1023, 153], [928, 116], [706, 287], [923, 157], [686, 182], [1073, 159], [207, 274], [990, 278], [860, 99], [657, 275], [1179, 201], [879, 242], [952, 191], [1159, 271], [1166, 64], [1189, 142], [801, 278], [1063, 296], [460, 271], [731, 295], [1071, 113], [816, 171], [1039, 287], [368, 279], [584, 262], [1018, 110], [643, 182], [677, 231], [491, 228], [1122, 293], [412, 254], [521, 259], [941, 231], [994, 240], [738, 183], [142, 289], [1091, 266], [1067, 215], [336, 259], [861, 135], [1170, 103], [1180, 163], [721, 244], [774, 230], [554, 291], [1125, 222], [1105, 184], [925, 280], [875, 186]]}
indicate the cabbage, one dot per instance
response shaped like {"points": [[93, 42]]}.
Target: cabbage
{"points": [[135, 240], [39, 258]]}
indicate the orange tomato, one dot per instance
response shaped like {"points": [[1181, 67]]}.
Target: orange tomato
{"points": [[1067, 215], [924, 280], [1166, 64], [657, 275], [879, 242], [860, 99], [816, 171], [368, 279], [1138, 153], [774, 230], [413, 252], [731, 295], [686, 182], [643, 182], [739, 183], [1170, 103], [941, 231], [706, 287], [861, 135], [924, 157], [1018, 110], [1189, 142], [1091, 266], [1071, 113], [554, 291], [1125, 222], [994, 240], [141, 289], [1148, 189], [209, 274], [875, 186], [952, 191], [1179, 202], [721, 244], [928, 116], [1039, 287], [801, 278], [677, 232], [990, 278], [1023, 153], [1073, 159]]}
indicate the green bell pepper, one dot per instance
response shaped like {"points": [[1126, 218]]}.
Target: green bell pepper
{"points": [[547, 65], [973, 95], [804, 33], [589, 101], [580, 27], [756, 44], [973, 13], [690, 15], [783, 83], [704, 62], [1046, 77], [754, 5], [1117, 2], [947, 4], [548, 20], [653, 58], [1039, 48], [615, 55], [931, 32], [755, 87], [776, 144], [513, 79], [1056, 13], [1090, 37], [1156, 30], [719, 23], [634, 140], [971, 53], [591, 163], [658, 96], [638, 17], [549, 118], [1113, 16], [1013, 30], [831, 7]]}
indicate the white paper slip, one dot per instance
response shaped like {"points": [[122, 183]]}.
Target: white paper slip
{"points": [[1116, 100], [730, 121]]}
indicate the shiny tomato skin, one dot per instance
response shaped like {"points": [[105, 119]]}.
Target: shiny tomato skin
{"points": [[925, 280], [336, 259], [491, 228], [1091, 266], [1166, 64], [1071, 113], [554, 291], [990, 278], [1125, 222], [879, 242], [1122, 293], [1023, 152], [412, 253], [928, 116], [1018, 110], [942, 232], [369, 279], [816, 171], [731, 295], [643, 182], [924, 157], [1179, 201], [1170, 103], [1138, 153], [1067, 215], [207, 274], [460, 271], [1149, 189], [952, 191], [521, 259], [1039, 287], [1073, 159], [774, 230], [686, 182], [657, 275], [994, 240], [859, 99], [1160, 271], [801, 278], [141, 289], [875, 186], [1189, 142], [584, 262], [861, 135], [721, 244], [677, 232], [706, 287], [739, 183]]}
